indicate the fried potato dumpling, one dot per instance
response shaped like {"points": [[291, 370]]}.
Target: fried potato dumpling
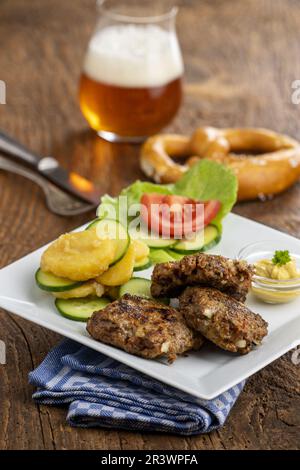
{"points": [[87, 289], [121, 272], [141, 250], [78, 256]]}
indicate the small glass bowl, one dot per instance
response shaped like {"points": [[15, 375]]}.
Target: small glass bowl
{"points": [[271, 291]]}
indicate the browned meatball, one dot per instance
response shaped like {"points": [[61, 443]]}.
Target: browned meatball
{"points": [[143, 327], [227, 275], [221, 319]]}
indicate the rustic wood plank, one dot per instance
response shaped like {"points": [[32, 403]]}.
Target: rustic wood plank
{"points": [[241, 58]]}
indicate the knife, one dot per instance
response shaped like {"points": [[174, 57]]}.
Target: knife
{"points": [[49, 167]]}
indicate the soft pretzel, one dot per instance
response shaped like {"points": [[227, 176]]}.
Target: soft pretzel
{"points": [[275, 167]]}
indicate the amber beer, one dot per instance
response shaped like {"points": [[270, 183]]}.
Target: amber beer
{"points": [[131, 82], [129, 111]]}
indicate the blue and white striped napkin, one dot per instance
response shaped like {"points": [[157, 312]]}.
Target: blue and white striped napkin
{"points": [[105, 393]]}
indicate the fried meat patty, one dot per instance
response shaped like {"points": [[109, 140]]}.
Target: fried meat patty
{"points": [[221, 319], [143, 327], [230, 276]]}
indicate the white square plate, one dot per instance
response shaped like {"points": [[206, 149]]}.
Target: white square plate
{"points": [[204, 374]]}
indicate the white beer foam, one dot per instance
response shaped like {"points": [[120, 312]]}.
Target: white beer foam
{"points": [[134, 56]]}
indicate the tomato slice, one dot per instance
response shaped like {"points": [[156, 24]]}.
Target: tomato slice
{"points": [[176, 216]]}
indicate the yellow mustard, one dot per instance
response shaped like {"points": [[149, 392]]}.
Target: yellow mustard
{"points": [[266, 268], [274, 292]]}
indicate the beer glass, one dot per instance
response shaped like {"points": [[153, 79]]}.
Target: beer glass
{"points": [[130, 86]]}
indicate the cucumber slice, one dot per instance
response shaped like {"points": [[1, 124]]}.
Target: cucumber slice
{"points": [[80, 309], [160, 256], [159, 242], [142, 264], [137, 286], [51, 283], [92, 224], [201, 242], [155, 241], [108, 228], [141, 287], [213, 243], [176, 256]]}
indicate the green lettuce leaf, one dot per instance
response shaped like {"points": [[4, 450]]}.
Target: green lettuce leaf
{"points": [[133, 193], [137, 189], [204, 181], [207, 180]]}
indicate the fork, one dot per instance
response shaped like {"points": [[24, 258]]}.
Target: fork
{"points": [[58, 201]]}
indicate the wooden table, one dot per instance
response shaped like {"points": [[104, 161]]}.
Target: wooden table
{"points": [[241, 57]]}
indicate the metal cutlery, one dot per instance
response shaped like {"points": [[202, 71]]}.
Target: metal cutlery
{"points": [[49, 167], [58, 201]]}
